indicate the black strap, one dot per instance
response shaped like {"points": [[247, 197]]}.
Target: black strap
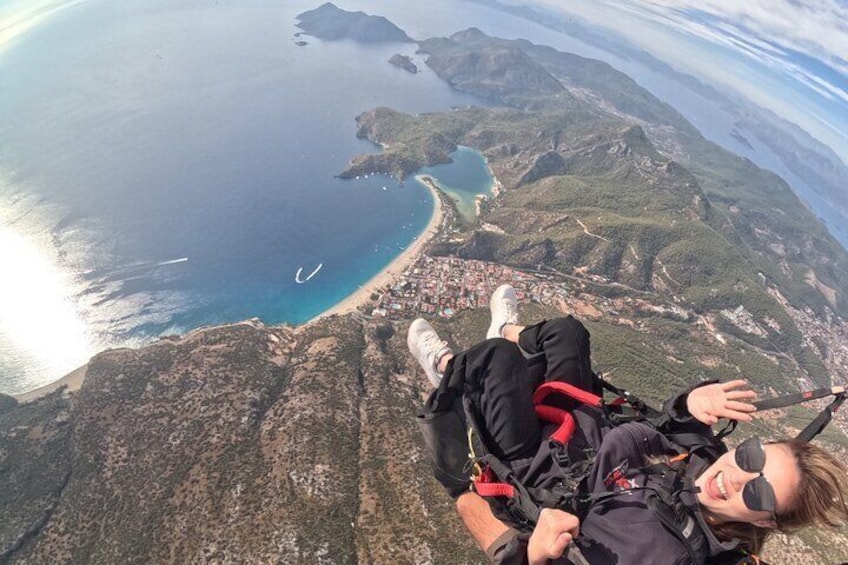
{"points": [[666, 505], [726, 430], [821, 421], [639, 405], [796, 398], [710, 447], [527, 509], [669, 519]]}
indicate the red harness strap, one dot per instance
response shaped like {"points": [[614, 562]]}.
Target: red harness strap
{"points": [[484, 485], [568, 390], [558, 416], [563, 418], [494, 489]]}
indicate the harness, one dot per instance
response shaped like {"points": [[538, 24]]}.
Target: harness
{"points": [[554, 403], [492, 478], [520, 504]]}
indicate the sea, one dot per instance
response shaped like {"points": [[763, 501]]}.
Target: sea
{"points": [[166, 165]]}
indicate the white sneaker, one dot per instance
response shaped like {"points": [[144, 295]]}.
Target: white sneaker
{"points": [[425, 345], [504, 308]]}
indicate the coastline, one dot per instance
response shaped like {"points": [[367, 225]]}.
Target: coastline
{"points": [[391, 273], [394, 270], [72, 381]]}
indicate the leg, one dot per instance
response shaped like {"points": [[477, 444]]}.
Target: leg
{"points": [[497, 370], [567, 348], [564, 341]]}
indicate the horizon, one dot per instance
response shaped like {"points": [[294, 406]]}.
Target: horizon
{"points": [[791, 48], [784, 57]]}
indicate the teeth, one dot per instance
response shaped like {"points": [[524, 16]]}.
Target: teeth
{"points": [[720, 485]]}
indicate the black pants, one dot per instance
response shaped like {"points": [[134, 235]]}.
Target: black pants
{"points": [[501, 373]]}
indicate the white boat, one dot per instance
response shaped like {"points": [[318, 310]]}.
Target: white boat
{"points": [[297, 278]]}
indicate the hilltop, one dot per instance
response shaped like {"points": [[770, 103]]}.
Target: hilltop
{"points": [[672, 199], [331, 23], [241, 443]]}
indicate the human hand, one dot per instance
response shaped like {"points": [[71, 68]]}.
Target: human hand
{"points": [[551, 536], [721, 400]]}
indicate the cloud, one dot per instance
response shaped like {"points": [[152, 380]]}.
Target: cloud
{"points": [[804, 40], [785, 55], [815, 28]]}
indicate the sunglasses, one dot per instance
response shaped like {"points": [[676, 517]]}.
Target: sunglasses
{"points": [[757, 494]]}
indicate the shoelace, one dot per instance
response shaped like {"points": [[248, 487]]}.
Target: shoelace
{"points": [[432, 346], [511, 313]]}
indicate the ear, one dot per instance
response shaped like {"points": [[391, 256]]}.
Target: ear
{"points": [[768, 523]]}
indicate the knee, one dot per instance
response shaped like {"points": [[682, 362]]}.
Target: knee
{"points": [[568, 326], [506, 355], [498, 350]]}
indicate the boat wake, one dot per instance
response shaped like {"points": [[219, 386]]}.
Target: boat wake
{"points": [[297, 278], [172, 261], [130, 269]]}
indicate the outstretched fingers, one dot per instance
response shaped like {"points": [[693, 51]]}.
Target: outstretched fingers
{"points": [[739, 411], [740, 406], [730, 385], [734, 392], [740, 394], [731, 399]]}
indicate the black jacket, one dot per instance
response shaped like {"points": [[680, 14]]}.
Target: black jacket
{"points": [[623, 529]]}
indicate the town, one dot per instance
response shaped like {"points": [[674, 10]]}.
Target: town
{"points": [[444, 286]]}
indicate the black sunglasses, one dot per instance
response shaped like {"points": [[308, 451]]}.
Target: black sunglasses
{"points": [[757, 493]]}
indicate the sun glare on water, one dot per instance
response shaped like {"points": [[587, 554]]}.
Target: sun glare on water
{"points": [[37, 316], [19, 17]]}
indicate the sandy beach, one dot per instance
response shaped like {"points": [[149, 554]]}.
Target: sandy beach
{"points": [[396, 268], [73, 382]]}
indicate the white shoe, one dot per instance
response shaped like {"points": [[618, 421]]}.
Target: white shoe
{"points": [[504, 308], [425, 345]]}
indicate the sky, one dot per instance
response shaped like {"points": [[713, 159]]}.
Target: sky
{"points": [[785, 55], [788, 56]]}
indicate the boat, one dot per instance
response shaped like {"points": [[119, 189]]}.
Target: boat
{"points": [[297, 278]]}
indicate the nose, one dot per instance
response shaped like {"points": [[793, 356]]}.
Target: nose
{"points": [[740, 478]]}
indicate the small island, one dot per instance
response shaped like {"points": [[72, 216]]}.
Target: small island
{"points": [[330, 23], [741, 139], [403, 62]]}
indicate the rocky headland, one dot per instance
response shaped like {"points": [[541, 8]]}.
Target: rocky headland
{"points": [[403, 62], [241, 443]]}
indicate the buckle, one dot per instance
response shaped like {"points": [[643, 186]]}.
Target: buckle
{"points": [[561, 457], [476, 471]]}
